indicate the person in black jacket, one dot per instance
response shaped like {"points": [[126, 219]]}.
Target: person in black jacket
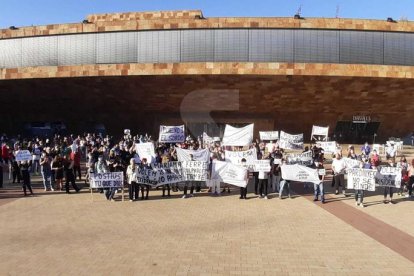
{"points": [[25, 171]]}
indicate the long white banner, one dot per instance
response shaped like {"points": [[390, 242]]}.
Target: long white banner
{"points": [[172, 134], [304, 158], [238, 136], [146, 150], [107, 180], [361, 179], [289, 141], [269, 135], [169, 173], [388, 177], [202, 155], [235, 157], [229, 173], [299, 173]]}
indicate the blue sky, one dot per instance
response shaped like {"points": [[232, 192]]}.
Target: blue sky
{"points": [[41, 12]]}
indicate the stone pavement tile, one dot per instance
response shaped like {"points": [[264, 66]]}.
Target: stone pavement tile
{"points": [[70, 234]]}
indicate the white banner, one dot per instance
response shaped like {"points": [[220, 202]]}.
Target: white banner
{"points": [[269, 135], [23, 155], [229, 173], [172, 134], [318, 130], [289, 141], [194, 170], [235, 157], [304, 158], [262, 165], [238, 136], [328, 147], [148, 176], [299, 173], [169, 173], [351, 163], [146, 150], [202, 155], [388, 177], [361, 179], [107, 180]]}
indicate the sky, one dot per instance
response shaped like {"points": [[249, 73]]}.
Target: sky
{"points": [[42, 12]]}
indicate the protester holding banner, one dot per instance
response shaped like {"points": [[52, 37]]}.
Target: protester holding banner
{"points": [[338, 168], [133, 188], [275, 174], [359, 193], [25, 170], [284, 183], [263, 182], [318, 187], [144, 165], [388, 189], [243, 190]]}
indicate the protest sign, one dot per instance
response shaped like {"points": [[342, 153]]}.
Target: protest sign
{"points": [[351, 163], [388, 177], [202, 155], [107, 180], [262, 165], [194, 170], [269, 135], [289, 141], [328, 147], [229, 173], [207, 140], [172, 134], [304, 158], [235, 157], [320, 131], [146, 175], [146, 150], [23, 155], [361, 179], [238, 136], [168, 173], [299, 173]]}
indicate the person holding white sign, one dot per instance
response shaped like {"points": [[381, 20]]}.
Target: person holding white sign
{"points": [[133, 189], [24, 169], [263, 183], [284, 183], [318, 187], [243, 190], [338, 168], [387, 189]]}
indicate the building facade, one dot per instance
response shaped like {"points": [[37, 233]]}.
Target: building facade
{"points": [[140, 70]]}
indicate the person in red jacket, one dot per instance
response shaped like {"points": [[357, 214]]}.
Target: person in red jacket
{"points": [[5, 153], [76, 157]]}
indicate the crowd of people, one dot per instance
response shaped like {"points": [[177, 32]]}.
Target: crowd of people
{"points": [[59, 161]]}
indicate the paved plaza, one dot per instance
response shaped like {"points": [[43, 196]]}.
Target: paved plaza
{"points": [[58, 234]]}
